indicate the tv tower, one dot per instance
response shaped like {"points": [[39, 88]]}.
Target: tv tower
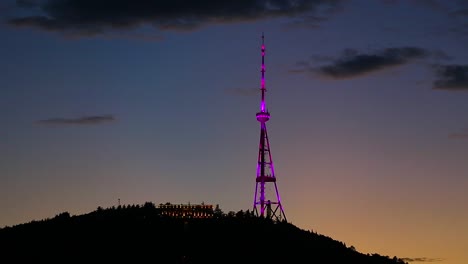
{"points": [[266, 203]]}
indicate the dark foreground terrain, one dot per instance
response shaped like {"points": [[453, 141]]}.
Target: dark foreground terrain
{"points": [[140, 234]]}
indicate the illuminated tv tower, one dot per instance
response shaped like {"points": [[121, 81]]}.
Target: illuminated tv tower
{"points": [[266, 203]]}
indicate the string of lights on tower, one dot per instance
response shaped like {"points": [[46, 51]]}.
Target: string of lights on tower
{"points": [[266, 204]]}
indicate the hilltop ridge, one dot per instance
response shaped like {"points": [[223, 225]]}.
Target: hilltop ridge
{"points": [[142, 233]]}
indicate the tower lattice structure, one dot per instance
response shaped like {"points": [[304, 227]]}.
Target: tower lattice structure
{"points": [[267, 202]]}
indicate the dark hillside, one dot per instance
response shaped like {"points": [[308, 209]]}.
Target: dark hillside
{"points": [[140, 234]]}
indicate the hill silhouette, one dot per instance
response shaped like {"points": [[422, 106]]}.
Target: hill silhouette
{"points": [[142, 234]]}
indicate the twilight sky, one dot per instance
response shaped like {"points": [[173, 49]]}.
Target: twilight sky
{"points": [[156, 101]]}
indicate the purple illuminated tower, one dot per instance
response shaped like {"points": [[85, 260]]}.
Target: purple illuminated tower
{"points": [[267, 201]]}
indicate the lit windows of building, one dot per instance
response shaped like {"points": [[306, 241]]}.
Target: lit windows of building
{"points": [[186, 210]]}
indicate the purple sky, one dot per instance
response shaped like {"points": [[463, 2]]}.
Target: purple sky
{"points": [[107, 100]]}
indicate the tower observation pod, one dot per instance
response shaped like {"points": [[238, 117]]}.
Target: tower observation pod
{"points": [[267, 202]]}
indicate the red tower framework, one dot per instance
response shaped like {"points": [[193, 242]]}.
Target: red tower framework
{"points": [[266, 203]]}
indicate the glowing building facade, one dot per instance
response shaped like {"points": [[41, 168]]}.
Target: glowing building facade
{"points": [[186, 210]]}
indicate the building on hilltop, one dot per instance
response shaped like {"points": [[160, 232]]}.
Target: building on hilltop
{"points": [[186, 210]]}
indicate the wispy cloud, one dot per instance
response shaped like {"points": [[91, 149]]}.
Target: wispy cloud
{"points": [[84, 120], [422, 259], [91, 17], [451, 77], [351, 63], [459, 135]]}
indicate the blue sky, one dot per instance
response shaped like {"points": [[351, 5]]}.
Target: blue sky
{"points": [[102, 101]]}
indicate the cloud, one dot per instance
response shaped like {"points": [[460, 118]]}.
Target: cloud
{"points": [[422, 259], [353, 64], [84, 120], [451, 77], [93, 17], [440, 55], [459, 135]]}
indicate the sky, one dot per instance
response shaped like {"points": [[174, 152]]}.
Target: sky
{"points": [[156, 101]]}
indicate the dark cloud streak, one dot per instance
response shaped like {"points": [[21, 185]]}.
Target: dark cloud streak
{"points": [[463, 134], [92, 17], [422, 259], [451, 77], [85, 120], [459, 135], [353, 64]]}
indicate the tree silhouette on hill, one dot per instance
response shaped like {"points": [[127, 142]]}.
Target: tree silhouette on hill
{"points": [[141, 234]]}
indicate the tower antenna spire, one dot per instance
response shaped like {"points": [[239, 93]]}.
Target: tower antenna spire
{"points": [[263, 88], [266, 204]]}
